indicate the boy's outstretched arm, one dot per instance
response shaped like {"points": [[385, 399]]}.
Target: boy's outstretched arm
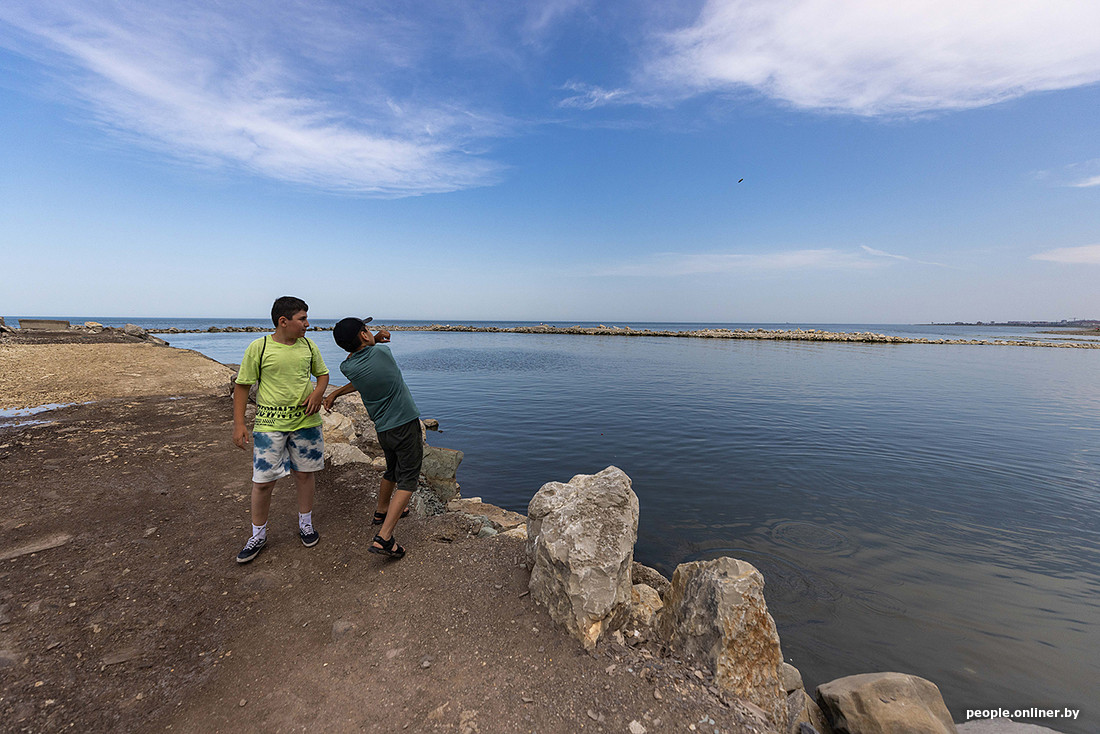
{"points": [[240, 403], [313, 402], [331, 397]]}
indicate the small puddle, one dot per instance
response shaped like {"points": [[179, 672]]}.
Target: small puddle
{"points": [[14, 416]]}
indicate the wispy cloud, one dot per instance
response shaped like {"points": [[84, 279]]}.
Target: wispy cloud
{"points": [[1086, 255], [587, 96], [903, 258], [309, 93], [680, 263], [870, 57], [1081, 175]]}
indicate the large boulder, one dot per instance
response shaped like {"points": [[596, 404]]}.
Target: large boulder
{"points": [[715, 615], [580, 542], [884, 703]]}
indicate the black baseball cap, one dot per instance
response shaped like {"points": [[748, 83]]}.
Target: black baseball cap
{"points": [[346, 332]]}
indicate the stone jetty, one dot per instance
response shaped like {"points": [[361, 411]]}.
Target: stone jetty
{"points": [[804, 335]]}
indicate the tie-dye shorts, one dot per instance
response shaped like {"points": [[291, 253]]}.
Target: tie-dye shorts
{"points": [[275, 453]]}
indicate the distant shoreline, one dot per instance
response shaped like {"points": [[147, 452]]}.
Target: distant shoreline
{"points": [[751, 334]]}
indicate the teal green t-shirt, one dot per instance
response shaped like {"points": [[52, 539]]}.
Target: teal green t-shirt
{"points": [[375, 374], [285, 382]]}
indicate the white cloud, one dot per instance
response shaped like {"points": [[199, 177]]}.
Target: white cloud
{"points": [[1086, 255], [678, 263], [292, 91], [872, 57]]}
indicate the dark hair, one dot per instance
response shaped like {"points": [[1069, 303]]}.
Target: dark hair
{"points": [[286, 306], [346, 333]]}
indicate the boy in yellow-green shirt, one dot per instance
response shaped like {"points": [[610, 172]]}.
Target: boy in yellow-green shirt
{"points": [[286, 436]]}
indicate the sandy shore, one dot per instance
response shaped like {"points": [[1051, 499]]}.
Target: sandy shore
{"points": [[38, 374]]}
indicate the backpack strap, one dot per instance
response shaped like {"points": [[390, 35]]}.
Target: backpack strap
{"points": [[312, 352], [260, 361]]}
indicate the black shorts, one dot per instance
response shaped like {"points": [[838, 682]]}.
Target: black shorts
{"points": [[404, 450]]}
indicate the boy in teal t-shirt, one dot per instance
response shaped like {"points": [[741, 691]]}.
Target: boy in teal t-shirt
{"points": [[286, 436], [372, 370]]}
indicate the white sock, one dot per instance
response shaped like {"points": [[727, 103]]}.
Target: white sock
{"points": [[305, 518], [260, 530]]}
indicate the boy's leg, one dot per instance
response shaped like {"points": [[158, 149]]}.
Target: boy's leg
{"points": [[306, 448], [397, 506], [261, 502], [306, 482], [409, 455], [268, 465], [385, 491]]}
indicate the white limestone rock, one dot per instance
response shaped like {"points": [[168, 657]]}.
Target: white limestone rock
{"points": [[338, 454], [580, 542]]}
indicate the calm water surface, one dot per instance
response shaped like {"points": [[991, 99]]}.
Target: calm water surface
{"points": [[922, 508]]}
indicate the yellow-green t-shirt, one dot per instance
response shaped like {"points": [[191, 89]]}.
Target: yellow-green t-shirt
{"points": [[285, 382]]}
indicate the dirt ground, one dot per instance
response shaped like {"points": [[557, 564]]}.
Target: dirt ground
{"points": [[122, 607]]}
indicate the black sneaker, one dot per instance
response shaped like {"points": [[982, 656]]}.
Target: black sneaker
{"points": [[308, 535], [252, 548]]}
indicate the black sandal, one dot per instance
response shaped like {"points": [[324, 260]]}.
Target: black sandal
{"points": [[389, 547], [380, 517]]}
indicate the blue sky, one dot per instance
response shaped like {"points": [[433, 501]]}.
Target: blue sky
{"points": [[728, 160]]}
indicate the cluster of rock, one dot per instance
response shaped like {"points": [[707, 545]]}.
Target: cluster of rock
{"points": [[88, 327], [94, 327], [350, 437], [580, 539]]}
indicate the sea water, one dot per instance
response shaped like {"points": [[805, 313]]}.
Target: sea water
{"points": [[928, 509]]}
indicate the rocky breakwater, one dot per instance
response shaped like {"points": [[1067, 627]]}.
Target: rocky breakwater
{"points": [[711, 616], [228, 330], [814, 335]]}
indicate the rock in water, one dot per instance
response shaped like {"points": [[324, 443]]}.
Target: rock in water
{"points": [[580, 542], [715, 615], [885, 703]]}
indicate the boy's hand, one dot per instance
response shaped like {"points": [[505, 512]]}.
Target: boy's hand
{"points": [[313, 403], [240, 437], [328, 402], [382, 336]]}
